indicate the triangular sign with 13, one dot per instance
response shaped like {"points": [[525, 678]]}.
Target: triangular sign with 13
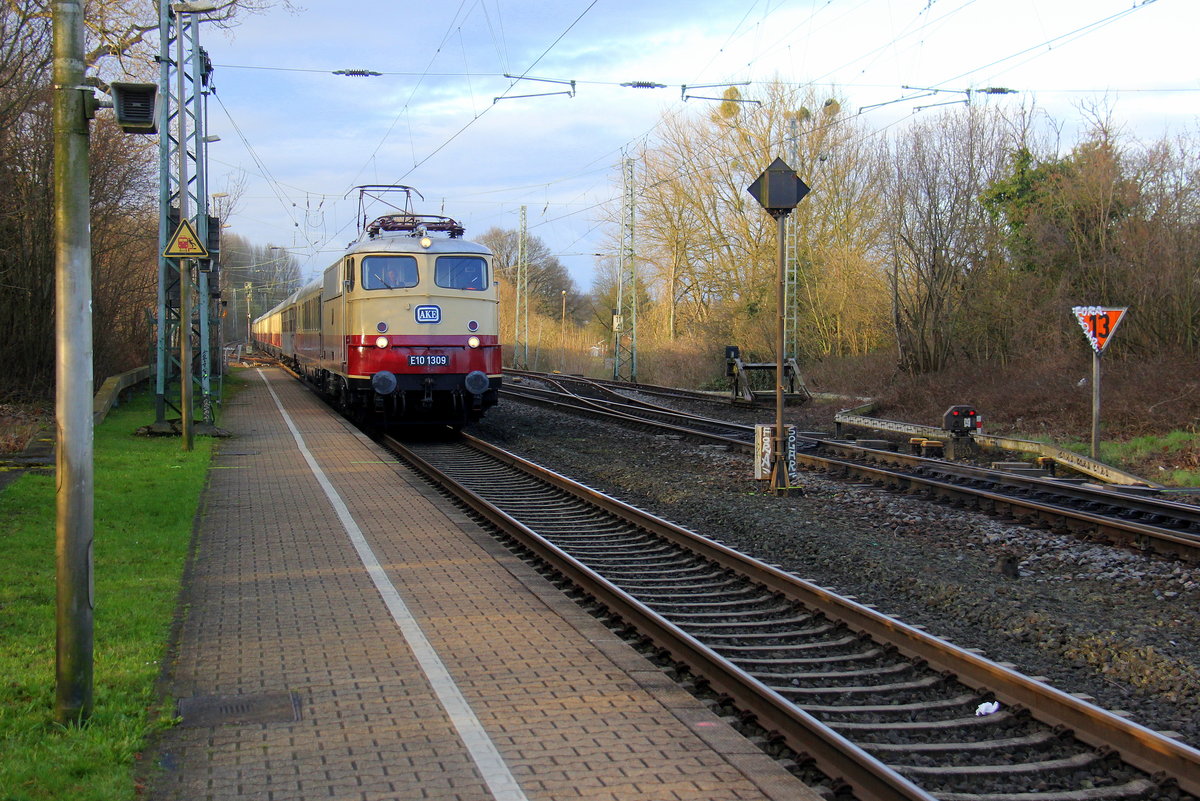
{"points": [[1098, 324]]}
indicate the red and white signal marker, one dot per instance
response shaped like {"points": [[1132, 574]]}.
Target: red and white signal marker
{"points": [[1098, 324]]}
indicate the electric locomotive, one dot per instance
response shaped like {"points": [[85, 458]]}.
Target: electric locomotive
{"points": [[403, 328]]}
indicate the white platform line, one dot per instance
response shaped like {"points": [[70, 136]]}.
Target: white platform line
{"points": [[487, 758]]}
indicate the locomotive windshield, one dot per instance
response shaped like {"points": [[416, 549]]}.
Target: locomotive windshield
{"points": [[461, 272], [389, 272]]}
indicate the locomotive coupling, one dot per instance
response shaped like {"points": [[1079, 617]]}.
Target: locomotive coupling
{"points": [[384, 382]]}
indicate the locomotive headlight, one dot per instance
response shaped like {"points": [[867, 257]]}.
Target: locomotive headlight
{"points": [[382, 342], [472, 342], [426, 242]]}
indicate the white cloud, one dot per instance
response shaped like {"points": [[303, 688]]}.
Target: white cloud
{"points": [[318, 134]]}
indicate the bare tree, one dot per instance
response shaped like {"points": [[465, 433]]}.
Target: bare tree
{"points": [[125, 31], [547, 276], [710, 250], [941, 237], [1162, 244], [123, 179]]}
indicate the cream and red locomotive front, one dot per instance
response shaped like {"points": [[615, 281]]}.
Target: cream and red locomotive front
{"points": [[403, 328]]}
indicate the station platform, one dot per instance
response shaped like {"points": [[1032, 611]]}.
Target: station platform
{"points": [[346, 633]]}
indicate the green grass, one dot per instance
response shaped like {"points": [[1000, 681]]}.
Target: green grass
{"points": [[1172, 459], [146, 495], [1175, 452]]}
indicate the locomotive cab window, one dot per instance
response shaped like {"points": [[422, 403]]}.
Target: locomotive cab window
{"points": [[461, 272], [389, 272]]}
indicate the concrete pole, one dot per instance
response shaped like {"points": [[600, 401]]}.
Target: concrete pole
{"points": [[73, 370]]}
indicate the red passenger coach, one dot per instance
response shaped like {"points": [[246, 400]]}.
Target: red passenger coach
{"points": [[402, 328]]}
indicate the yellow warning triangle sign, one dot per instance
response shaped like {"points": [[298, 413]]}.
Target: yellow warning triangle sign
{"points": [[185, 244]]}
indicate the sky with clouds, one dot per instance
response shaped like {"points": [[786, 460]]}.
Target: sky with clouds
{"points": [[300, 137]]}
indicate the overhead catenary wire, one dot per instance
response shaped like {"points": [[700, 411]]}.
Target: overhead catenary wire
{"points": [[425, 158], [478, 115], [262, 166]]}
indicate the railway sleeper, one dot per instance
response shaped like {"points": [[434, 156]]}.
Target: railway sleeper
{"points": [[694, 607], [632, 575], [740, 628], [652, 588], [954, 704], [857, 656], [783, 648], [673, 561], [595, 528], [1037, 738], [634, 547], [1136, 788], [709, 598], [828, 675], [861, 689], [1082, 759], [909, 728], [687, 619]]}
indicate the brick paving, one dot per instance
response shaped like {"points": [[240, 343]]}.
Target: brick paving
{"points": [[279, 614]]}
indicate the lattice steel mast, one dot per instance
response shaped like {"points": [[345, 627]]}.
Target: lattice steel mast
{"points": [[184, 75], [521, 323], [625, 315]]}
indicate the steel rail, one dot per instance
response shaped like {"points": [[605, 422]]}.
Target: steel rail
{"points": [[1145, 536], [634, 413], [644, 389], [1137, 745], [833, 754]]}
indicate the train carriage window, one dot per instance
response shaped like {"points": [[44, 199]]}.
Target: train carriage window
{"points": [[389, 272], [349, 279], [461, 272]]}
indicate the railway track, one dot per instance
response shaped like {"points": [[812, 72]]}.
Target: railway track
{"points": [[889, 710], [1140, 519], [619, 387]]}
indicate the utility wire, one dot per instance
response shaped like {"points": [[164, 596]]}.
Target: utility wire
{"points": [[478, 116], [1079, 32], [262, 166], [1063, 38]]}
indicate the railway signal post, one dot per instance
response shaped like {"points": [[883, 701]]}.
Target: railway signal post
{"points": [[1098, 324], [779, 190]]}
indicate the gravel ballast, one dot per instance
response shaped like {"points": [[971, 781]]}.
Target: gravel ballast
{"points": [[1093, 619]]}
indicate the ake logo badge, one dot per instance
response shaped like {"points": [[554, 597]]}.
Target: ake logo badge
{"points": [[1098, 324]]}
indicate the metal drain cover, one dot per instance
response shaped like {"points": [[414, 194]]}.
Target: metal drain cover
{"points": [[215, 710]]}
